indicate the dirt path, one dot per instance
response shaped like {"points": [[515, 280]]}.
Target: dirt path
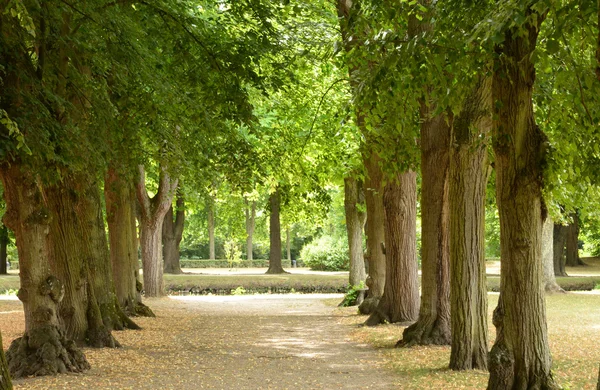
{"points": [[244, 342]]}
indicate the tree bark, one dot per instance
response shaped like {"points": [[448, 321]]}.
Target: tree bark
{"points": [[288, 245], [354, 228], [4, 241], [275, 266], [550, 284], [400, 300], [572, 252], [153, 212], [559, 242], [211, 229], [5, 381], [468, 180], [250, 218], [121, 206], [44, 348], [172, 235], [520, 357]]}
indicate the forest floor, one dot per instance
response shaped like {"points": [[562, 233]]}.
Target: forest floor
{"points": [[226, 342]]}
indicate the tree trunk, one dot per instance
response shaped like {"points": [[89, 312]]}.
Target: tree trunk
{"points": [[550, 284], [354, 227], [122, 233], [44, 349], [559, 242], [4, 240], [211, 229], [5, 382], [520, 357], [400, 300], [250, 218], [172, 235], [468, 180], [572, 253], [598, 385], [153, 212], [275, 266], [288, 245], [433, 325]]}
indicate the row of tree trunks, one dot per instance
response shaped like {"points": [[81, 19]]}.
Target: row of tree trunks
{"points": [[172, 235], [153, 211], [400, 300], [520, 357], [275, 266], [4, 241], [468, 180], [121, 204], [44, 348], [5, 381], [250, 224], [355, 220]]}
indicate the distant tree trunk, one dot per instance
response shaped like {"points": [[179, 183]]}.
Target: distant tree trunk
{"points": [[520, 357], [211, 229], [4, 240], [598, 385], [121, 212], [5, 382], [288, 245], [250, 218], [468, 181], [550, 284], [354, 228], [44, 349], [172, 235], [573, 259], [559, 242], [153, 212], [275, 266], [400, 300]]}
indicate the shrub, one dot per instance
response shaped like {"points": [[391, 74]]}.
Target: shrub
{"points": [[326, 253]]}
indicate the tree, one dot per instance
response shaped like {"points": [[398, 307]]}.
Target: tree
{"points": [[355, 219], [153, 211], [548, 263], [211, 227], [275, 266], [4, 241], [5, 381], [172, 234], [250, 212], [572, 251], [559, 241], [520, 357]]}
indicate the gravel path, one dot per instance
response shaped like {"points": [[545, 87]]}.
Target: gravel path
{"points": [[236, 342]]}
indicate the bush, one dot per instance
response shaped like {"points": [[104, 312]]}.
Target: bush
{"points": [[326, 254]]}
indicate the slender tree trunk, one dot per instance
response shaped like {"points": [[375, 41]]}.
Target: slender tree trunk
{"points": [[354, 227], [172, 235], [250, 218], [211, 229], [44, 348], [153, 212], [598, 385], [572, 253], [559, 242], [275, 266], [5, 382], [520, 357], [288, 245], [122, 233], [550, 284], [468, 180], [400, 300], [4, 240]]}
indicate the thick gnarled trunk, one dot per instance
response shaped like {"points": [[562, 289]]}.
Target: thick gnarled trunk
{"points": [[153, 212], [520, 357], [122, 233], [250, 218], [354, 227], [172, 234], [468, 180], [275, 266], [400, 300], [44, 349]]}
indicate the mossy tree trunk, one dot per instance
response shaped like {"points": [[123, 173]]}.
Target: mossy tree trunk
{"points": [[5, 381], [4, 241], [250, 224], [275, 266], [121, 207], [354, 227], [520, 357], [559, 241], [468, 180], [400, 300], [44, 349], [153, 212], [172, 235]]}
